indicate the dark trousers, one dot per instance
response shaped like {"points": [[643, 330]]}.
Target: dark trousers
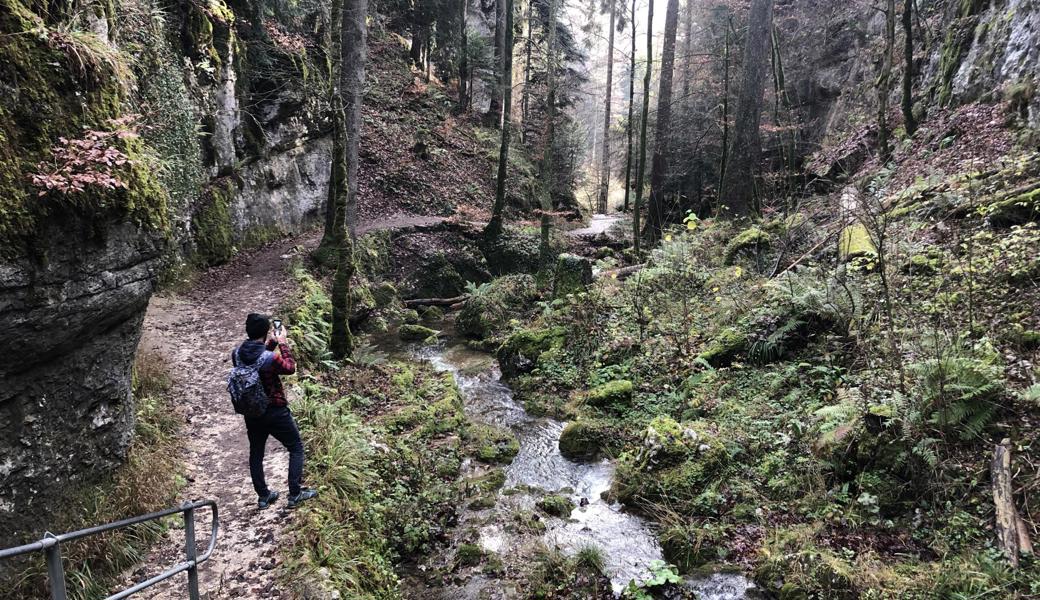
{"points": [[277, 422]]}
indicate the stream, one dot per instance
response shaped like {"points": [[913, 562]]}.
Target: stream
{"points": [[627, 542]]}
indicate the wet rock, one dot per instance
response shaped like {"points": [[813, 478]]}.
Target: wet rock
{"points": [[416, 333]]}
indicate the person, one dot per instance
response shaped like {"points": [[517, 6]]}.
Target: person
{"points": [[277, 420]]}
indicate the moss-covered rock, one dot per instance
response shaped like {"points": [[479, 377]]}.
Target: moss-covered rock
{"points": [[469, 555], [610, 393], [410, 316], [556, 506], [490, 307], [586, 439], [572, 275], [854, 242], [519, 353], [492, 444], [384, 294], [725, 347], [752, 240], [512, 251], [416, 333], [432, 314]]}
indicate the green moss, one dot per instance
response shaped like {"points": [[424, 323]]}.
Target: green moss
{"points": [[585, 439], [67, 82], [416, 333], [492, 444], [723, 349], [432, 314], [752, 239], [211, 225], [469, 555], [384, 294], [1015, 210], [613, 392], [854, 242], [520, 352], [572, 275], [556, 506], [486, 484], [492, 305]]}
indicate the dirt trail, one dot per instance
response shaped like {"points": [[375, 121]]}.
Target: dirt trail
{"points": [[195, 333]]}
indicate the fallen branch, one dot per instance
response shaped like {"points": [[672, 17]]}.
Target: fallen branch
{"points": [[1011, 529], [416, 302]]}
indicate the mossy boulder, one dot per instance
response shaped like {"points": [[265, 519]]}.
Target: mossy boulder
{"points": [[416, 333], [674, 462], [490, 307], [1017, 209], [854, 242], [556, 506], [573, 274], [384, 294], [614, 392], [490, 444], [410, 316], [469, 555], [586, 439], [724, 348], [431, 314], [751, 241], [512, 251], [519, 353]]}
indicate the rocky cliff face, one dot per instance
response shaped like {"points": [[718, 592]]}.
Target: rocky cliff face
{"points": [[231, 151]]}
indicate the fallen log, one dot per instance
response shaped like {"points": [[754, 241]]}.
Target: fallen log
{"points": [[622, 273], [416, 302], [1012, 533]]}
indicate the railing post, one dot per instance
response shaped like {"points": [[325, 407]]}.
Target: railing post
{"points": [[190, 551], [55, 570]]}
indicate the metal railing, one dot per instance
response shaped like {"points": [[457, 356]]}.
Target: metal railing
{"points": [[51, 546]]}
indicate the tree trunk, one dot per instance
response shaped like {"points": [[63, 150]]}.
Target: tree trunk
{"points": [[548, 172], [494, 226], [494, 116], [641, 171], [631, 106], [604, 170], [464, 58], [347, 114], [525, 102], [418, 39], [724, 159], [884, 83], [687, 79], [908, 68], [659, 166], [737, 195]]}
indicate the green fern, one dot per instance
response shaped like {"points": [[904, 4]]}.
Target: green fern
{"points": [[960, 391]]}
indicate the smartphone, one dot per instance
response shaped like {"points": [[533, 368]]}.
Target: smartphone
{"points": [[277, 325]]}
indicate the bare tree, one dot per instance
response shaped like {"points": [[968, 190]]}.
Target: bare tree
{"points": [[548, 173], [636, 225], [659, 166], [737, 194], [494, 115], [908, 67], [884, 83], [631, 107], [494, 226], [604, 170]]}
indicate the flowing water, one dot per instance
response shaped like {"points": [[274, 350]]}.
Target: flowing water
{"points": [[626, 541]]}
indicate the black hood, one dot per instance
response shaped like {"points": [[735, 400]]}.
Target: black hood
{"points": [[250, 351]]}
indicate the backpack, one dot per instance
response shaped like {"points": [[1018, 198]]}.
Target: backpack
{"points": [[247, 391]]}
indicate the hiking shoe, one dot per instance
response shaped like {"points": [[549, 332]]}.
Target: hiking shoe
{"points": [[267, 500], [298, 498]]}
